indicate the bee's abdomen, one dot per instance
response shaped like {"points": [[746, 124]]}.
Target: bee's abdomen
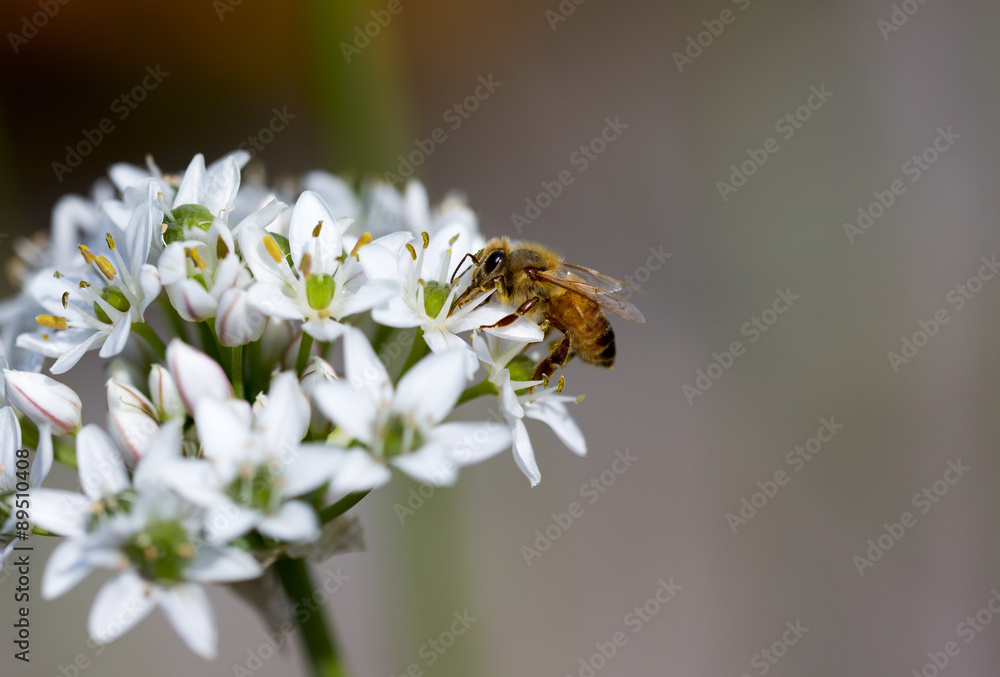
{"points": [[591, 336]]}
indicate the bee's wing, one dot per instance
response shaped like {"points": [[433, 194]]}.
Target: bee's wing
{"points": [[593, 285], [596, 279]]}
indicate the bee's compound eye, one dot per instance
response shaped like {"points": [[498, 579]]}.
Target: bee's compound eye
{"points": [[492, 261]]}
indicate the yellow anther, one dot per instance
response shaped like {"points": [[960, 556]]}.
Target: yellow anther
{"points": [[84, 284], [88, 255], [195, 258], [106, 268], [273, 249], [65, 299], [452, 240], [579, 398], [52, 321], [427, 238], [362, 241], [185, 550], [110, 240], [306, 265], [545, 381], [413, 252], [319, 226], [163, 228], [221, 249], [562, 384], [57, 274]]}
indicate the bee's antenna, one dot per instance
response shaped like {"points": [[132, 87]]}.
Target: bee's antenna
{"points": [[468, 255]]}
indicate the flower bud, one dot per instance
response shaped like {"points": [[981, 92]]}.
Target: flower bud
{"points": [[317, 371], [131, 418], [163, 392], [197, 375], [237, 323], [44, 400]]}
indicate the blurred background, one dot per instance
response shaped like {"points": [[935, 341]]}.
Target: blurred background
{"points": [[740, 140]]}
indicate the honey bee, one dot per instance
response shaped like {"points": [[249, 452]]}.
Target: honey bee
{"points": [[546, 289]]}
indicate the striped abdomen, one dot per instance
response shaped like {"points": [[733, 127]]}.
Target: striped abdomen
{"points": [[590, 333]]}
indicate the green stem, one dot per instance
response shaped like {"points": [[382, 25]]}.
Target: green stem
{"points": [[417, 353], [237, 369], [305, 345], [178, 323], [334, 511], [208, 342], [478, 390], [316, 636], [154, 341]]}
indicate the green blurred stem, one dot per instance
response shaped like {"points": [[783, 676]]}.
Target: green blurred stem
{"points": [[417, 353], [154, 341], [478, 390], [237, 369], [334, 511], [64, 449], [305, 345], [316, 635]]}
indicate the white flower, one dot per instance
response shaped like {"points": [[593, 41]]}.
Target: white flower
{"points": [[10, 445], [98, 310], [402, 426], [51, 406], [132, 418], [156, 545], [163, 393], [427, 294], [317, 371], [196, 375], [254, 466], [545, 404], [318, 289]]}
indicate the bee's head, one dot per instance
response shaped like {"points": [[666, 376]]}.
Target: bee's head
{"points": [[490, 266]]}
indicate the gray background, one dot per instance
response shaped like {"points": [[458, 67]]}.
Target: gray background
{"points": [[655, 186]]}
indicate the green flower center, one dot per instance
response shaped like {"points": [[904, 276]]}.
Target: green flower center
{"points": [[319, 290], [255, 489], [184, 217], [161, 551], [435, 295], [400, 438], [114, 298], [521, 368]]}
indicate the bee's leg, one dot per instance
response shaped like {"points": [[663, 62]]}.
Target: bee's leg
{"points": [[510, 319], [558, 357]]}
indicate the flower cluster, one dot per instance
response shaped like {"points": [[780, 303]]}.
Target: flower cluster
{"points": [[231, 440]]}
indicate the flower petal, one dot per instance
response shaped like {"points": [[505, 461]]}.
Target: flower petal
{"points": [[186, 607], [121, 603]]}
